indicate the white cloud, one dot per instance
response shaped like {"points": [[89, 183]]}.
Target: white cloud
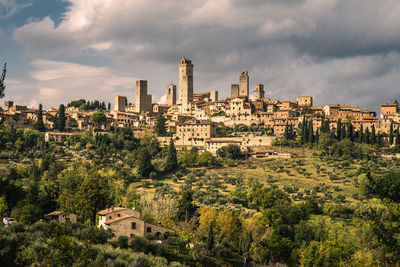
{"points": [[9, 8], [56, 82], [336, 50]]}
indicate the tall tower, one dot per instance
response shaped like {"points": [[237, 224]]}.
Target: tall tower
{"points": [[120, 103], [171, 94], [234, 90], [244, 83], [143, 100], [185, 82], [259, 91]]}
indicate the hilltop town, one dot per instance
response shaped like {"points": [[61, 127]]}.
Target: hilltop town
{"points": [[195, 119], [198, 181]]}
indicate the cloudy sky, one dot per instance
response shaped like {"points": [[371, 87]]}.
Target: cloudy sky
{"points": [[339, 51]]}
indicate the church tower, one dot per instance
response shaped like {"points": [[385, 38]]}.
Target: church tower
{"points": [[185, 82], [244, 83]]}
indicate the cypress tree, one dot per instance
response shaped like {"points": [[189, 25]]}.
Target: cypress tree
{"points": [[311, 132], [210, 237], [397, 137], [39, 125], [61, 118], [339, 129], [361, 135], [291, 132], [350, 132], [171, 160], [286, 134], [367, 136], [2, 78], [343, 132], [373, 135], [391, 133], [303, 130]]}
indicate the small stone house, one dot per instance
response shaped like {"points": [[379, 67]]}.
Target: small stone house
{"points": [[127, 222], [62, 218]]}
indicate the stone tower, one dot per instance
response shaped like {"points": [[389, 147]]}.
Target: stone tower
{"points": [[120, 103], [171, 94], [234, 90], [259, 91], [143, 100], [185, 82], [8, 105], [213, 96], [244, 83]]}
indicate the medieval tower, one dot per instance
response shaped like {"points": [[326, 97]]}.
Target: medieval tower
{"points": [[185, 82], [143, 100], [259, 92], [244, 83], [171, 94]]}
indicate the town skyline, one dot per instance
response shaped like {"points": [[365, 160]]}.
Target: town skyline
{"points": [[289, 47]]}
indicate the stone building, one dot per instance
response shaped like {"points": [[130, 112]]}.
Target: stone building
{"points": [[127, 222], [143, 100], [171, 94], [244, 83], [61, 217], [259, 92], [8, 105], [304, 101], [120, 103], [213, 96], [185, 82], [234, 90]]}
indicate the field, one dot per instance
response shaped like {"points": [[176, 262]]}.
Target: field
{"points": [[302, 176]]}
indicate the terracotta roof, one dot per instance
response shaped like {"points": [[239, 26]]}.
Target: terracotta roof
{"points": [[56, 212], [110, 210], [120, 219]]}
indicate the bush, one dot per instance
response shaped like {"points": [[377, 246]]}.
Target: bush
{"points": [[123, 241]]}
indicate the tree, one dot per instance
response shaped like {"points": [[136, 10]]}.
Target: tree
{"points": [[61, 118], [391, 133], [171, 160], [2, 78], [373, 135], [161, 129], [210, 237], [95, 194], [144, 166], [230, 151], [397, 137], [98, 117], [109, 106], [185, 207], [311, 132], [339, 129], [39, 125]]}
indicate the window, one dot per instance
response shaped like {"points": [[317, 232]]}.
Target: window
{"points": [[148, 230], [119, 215], [132, 235], [109, 217], [133, 225], [67, 220]]}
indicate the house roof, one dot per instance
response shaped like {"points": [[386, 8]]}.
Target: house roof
{"points": [[110, 210], [117, 219]]}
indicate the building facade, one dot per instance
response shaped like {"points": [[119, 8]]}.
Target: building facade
{"points": [[185, 82], [143, 100]]}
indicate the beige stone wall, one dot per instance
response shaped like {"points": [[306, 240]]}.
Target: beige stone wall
{"points": [[304, 101], [120, 103], [143, 100], [171, 94], [234, 90], [244, 83], [185, 83], [124, 228], [259, 92]]}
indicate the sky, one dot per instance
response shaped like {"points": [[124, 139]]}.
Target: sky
{"points": [[338, 51]]}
